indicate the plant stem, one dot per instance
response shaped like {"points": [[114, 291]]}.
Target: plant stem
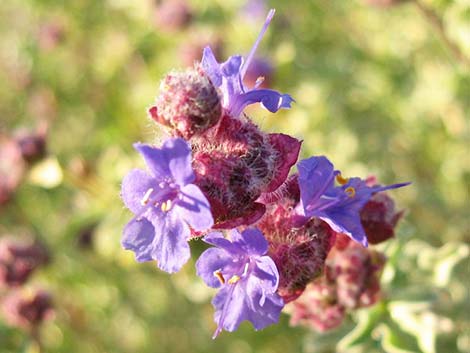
{"points": [[36, 339], [436, 21]]}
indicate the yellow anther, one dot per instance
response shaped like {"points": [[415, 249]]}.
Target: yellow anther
{"points": [[350, 191], [146, 197], [219, 276], [341, 180], [166, 205], [234, 279]]}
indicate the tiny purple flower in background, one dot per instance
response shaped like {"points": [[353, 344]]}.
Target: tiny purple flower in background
{"points": [[229, 75], [27, 309], [172, 15], [32, 143], [339, 206], [247, 278], [164, 202], [19, 258], [51, 34], [253, 10]]}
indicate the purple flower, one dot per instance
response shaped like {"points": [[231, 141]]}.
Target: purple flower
{"points": [[164, 202], [247, 278], [339, 206], [229, 75]]}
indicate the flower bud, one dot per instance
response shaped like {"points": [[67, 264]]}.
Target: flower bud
{"points": [[86, 236], [32, 146], [18, 260], [317, 307], [302, 259], [188, 103], [351, 280], [26, 310], [356, 271], [379, 218]]}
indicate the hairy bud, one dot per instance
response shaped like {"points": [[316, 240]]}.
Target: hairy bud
{"points": [[351, 280], [188, 103], [317, 307], [356, 271], [235, 163], [379, 218]]}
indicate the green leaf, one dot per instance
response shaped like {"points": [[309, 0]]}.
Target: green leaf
{"points": [[417, 319], [395, 341], [368, 319], [448, 257]]}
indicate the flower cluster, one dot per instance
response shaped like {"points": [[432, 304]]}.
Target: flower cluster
{"points": [[278, 235]]}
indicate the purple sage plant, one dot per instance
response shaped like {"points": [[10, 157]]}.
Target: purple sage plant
{"points": [[276, 233]]}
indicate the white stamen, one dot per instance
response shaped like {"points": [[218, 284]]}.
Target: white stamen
{"points": [[146, 197], [245, 270]]}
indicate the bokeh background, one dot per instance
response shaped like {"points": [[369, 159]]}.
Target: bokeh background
{"points": [[381, 87]]}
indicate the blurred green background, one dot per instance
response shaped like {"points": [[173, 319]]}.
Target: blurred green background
{"points": [[378, 90]]}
